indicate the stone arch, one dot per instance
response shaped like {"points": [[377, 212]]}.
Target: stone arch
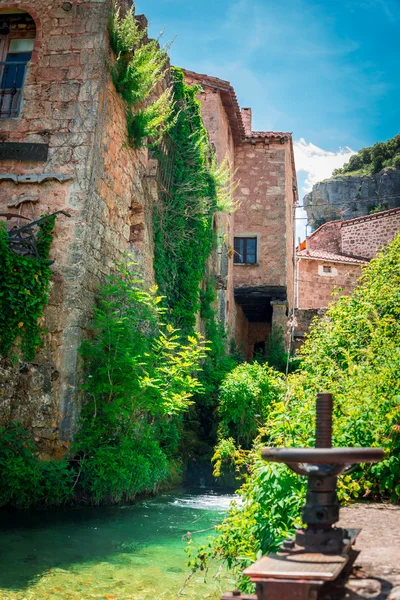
{"points": [[26, 8]]}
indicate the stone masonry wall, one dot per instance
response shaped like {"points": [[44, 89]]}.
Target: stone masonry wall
{"points": [[302, 321], [315, 289], [262, 212], [326, 238], [69, 103], [365, 236]]}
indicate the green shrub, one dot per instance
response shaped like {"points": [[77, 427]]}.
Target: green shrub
{"points": [[139, 65], [266, 513], [183, 217], [354, 353], [245, 400], [140, 380], [26, 480]]}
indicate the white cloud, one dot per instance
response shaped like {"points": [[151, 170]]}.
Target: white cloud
{"points": [[317, 163]]}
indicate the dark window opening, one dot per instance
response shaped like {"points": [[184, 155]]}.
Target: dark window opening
{"points": [[259, 348], [327, 269], [17, 38], [245, 251]]}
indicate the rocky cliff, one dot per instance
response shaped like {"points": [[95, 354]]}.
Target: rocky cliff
{"points": [[351, 196]]}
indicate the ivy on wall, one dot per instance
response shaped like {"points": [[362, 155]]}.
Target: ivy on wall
{"points": [[24, 289], [183, 217], [139, 65]]}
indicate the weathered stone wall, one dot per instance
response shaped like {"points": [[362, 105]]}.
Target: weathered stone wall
{"points": [[326, 238], [70, 103], [315, 287], [302, 321], [261, 169], [365, 236]]}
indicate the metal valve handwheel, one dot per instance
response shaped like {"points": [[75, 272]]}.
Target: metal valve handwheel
{"points": [[321, 465], [319, 553]]}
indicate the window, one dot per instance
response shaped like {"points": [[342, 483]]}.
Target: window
{"points": [[17, 38], [245, 251], [327, 269]]}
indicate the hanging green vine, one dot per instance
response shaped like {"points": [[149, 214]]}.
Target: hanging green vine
{"points": [[139, 65], [183, 218], [24, 288]]}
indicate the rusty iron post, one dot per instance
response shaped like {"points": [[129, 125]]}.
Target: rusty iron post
{"points": [[323, 426]]}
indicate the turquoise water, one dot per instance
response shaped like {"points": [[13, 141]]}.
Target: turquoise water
{"points": [[123, 553]]}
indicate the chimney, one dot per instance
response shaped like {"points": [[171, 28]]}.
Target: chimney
{"points": [[246, 118]]}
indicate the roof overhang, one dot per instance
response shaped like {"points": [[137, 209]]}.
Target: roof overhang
{"points": [[228, 99], [256, 301], [356, 261]]}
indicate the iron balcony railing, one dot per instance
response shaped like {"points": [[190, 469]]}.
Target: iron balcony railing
{"points": [[12, 74]]}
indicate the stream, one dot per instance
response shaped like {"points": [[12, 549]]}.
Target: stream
{"points": [[123, 553]]}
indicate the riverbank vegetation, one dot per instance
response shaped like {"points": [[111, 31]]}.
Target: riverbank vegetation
{"points": [[354, 353], [140, 379], [150, 383]]}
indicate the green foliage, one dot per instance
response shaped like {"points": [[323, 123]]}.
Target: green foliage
{"points": [[183, 218], [140, 381], [266, 513], [140, 64], [26, 480], [203, 418], [354, 353], [24, 289], [245, 399], [373, 159]]}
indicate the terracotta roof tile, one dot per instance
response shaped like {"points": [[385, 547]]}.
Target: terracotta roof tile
{"points": [[330, 257], [228, 97], [269, 134]]}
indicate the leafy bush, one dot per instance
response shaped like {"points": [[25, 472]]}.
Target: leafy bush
{"points": [[354, 353], [266, 513], [140, 64], [26, 480], [183, 218], [245, 400], [24, 289], [140, 377]]}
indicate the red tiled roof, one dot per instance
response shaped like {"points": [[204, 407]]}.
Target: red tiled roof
{"points": [[372, 216], [229, 100], [231, 105], [269, 134], [330, 257]]}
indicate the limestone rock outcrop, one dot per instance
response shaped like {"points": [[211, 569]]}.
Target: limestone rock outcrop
{"points": [[351, 196]]}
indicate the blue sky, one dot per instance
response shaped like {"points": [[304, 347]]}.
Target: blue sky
{"points": [[327, 70]]}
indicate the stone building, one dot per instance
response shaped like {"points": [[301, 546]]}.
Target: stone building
{"points": [[333, 256], [63, 146], [260, 233]]}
